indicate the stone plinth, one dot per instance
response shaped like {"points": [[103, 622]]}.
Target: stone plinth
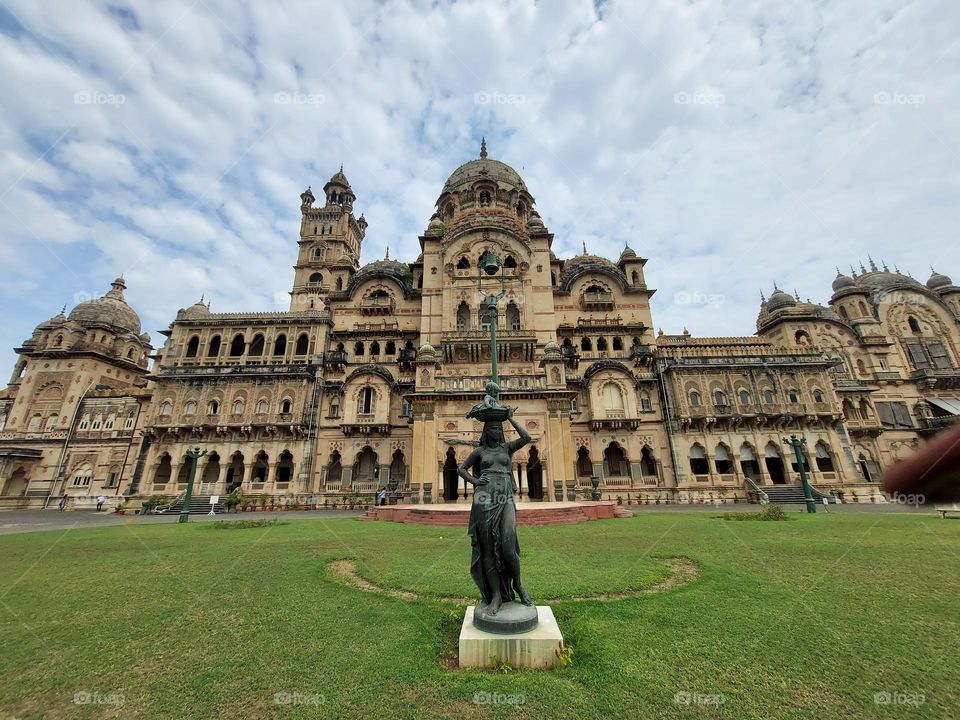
{"points": [[535, 649]]}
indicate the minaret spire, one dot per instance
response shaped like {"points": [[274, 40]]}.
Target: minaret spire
{"points": [[483, 147]]}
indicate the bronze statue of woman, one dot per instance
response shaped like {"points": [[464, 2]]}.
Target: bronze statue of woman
{"points": [[495, 559]]}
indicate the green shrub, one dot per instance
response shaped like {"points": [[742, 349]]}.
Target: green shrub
{"points": [[770, 512], [241, 524]]}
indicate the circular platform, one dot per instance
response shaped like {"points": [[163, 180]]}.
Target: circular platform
{"points": [[512, 617], [528, 513]]}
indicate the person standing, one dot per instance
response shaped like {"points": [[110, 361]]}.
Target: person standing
{"points": [[63, 502], [100, 501]]}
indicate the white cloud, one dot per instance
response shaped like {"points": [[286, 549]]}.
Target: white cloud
{"points": [[781, 163]]}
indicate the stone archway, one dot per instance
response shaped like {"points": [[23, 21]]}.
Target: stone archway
{"points": [[16, 484]]}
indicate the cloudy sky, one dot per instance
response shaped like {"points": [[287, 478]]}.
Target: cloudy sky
{"points": [[734, 144]]}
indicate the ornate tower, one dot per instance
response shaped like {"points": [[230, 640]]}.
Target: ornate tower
{"points": [[330, 239]]}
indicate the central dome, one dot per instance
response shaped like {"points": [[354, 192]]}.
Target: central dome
{"points": [[484, 168]]}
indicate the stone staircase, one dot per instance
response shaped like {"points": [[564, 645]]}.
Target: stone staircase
{"points": [[789, 494], [199, 505]]}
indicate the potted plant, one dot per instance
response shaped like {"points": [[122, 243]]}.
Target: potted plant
{"points": [[120, 508], [620, 499]]}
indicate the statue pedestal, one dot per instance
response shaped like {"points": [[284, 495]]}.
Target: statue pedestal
{"points": [[535, 649]]}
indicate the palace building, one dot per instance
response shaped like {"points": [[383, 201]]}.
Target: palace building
{"points": [[366, 380]]}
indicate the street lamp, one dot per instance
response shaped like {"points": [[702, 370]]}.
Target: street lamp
{"points": [[193, 456], [490, 264], [798, 443]]}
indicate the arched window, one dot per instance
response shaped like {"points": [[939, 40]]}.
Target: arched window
{"points": [[744, 397], [463, 316], [463, 263], [615, 461], [82, 476], [768, 397], [801, 337], [335, 406], [584, 466], [645, 403], [358, 349], [648, 465], [261, 468], [698, 461], [257, 345], [824, 461], [484, 198], [339, 283], [521, 210], [193, 346], [817, 395], [262, 407], [863, 308], [238, 406], [914, 325], [617, 343], [553, 278], [214, 349], [719, 398], [286, 406], [303, 344], [843, 312], [280, 345], [586, 344], [612, 397], [213, 408], [861, 367], [190, 408], [166, 408], [375, 348], [510, 262], [694, 399], [601, 344], [367, 401], [793, 396], [721, 458], [51, 423], [635, 278], [391, 348], [59, 341], [237, 345], [513, 317]]}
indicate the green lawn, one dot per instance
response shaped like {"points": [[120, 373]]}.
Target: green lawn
{"points": [[807, 618]]}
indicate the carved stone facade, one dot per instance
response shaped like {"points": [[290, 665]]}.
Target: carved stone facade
{"points": [[365, 381]]}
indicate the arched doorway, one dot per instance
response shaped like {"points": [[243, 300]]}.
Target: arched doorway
{"points": [[584, 466], [648, 466], [16, 484], [534, 475], [365, 466], [211, 471], [450, 478], [748, 463], [261, 468], [334, 469], [866, 467], [398, 470], [161, 476], [285, 467], [615, 461], [235, 472], [774, 464]]}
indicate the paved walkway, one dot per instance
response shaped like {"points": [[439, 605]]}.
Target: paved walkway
{"points": [[19, 521]]}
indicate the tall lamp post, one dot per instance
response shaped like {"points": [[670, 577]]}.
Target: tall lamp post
{"points": [[798, 443], [193, 456]]}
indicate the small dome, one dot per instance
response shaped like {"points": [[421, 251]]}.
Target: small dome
{"points": [[53, 322], [535, 220], [627, 253], [842, 282], [938, 281], [778, 300], [582, 264], [551, 349], [197, 310], [110, 311], [436, 226], [426, 350], [338, 178]]}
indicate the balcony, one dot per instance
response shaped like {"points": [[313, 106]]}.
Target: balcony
{"points": [[946, 378], [334, 359], [864, 426], [473, 345], [597, 301], [376, 306]]}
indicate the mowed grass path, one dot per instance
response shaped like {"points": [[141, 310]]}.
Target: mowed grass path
{"points": [[807, 618]]}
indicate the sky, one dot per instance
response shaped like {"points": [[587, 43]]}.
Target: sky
{"points": [[733, 144]]}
